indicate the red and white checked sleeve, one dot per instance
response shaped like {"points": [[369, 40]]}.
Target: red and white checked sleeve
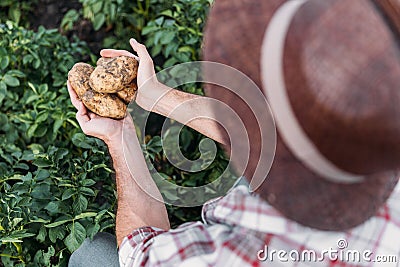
{"points": [[236, 227]]}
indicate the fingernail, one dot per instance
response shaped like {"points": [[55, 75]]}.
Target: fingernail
{"points": [[133, 40]]}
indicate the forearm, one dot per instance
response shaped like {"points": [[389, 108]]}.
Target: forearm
{"points": [[136, 205], [192, 110]]}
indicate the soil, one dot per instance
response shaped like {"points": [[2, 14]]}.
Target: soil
{"points": [[49, 14]]}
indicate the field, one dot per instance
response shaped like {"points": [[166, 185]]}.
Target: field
{"points": [[56, 184]]}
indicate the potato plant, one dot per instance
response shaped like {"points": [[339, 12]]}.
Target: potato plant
{"points": [[57, 184]]}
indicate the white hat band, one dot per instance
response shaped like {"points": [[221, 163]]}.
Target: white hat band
{"points": [[274, 87]]}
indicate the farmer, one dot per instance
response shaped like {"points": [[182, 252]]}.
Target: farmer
{"points": [[330, 198]]}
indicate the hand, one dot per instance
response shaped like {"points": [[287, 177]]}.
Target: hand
{"points": [[149, 88], [109, 130]]}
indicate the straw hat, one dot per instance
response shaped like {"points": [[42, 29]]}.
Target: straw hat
{"points": [[331, 73]]}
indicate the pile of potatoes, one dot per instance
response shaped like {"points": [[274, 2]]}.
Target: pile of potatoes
{"points": [[107, 89]]}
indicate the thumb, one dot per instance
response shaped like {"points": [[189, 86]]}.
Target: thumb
{"points": [[140, 49], [146, 66]]}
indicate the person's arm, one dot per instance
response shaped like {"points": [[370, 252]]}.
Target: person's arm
{"points": [[156, 97], [137, 205]]}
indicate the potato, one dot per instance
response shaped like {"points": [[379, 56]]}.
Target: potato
{"points": [[128, 93], [78, 76], [103, 60], [112, 75], [107, 89], [106, 105]]}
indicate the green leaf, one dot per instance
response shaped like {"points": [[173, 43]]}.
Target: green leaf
{"points": [[16, 236], [16, 221], [159, 21], [157, 37], [92, 230], [36, 63], [27, 59], [52, 207], [36, 148], [43, 88], [79, 139], [85, 215], [10, 80], [31, 98], [15, 13], [40, 131], [42, 174], [16, 73], [80, 204], [41, 191], [3, 51], [21, 165], [42, 116], [185, 49], [56, 233], [4, 62], [3, 87], [112, 12], [167, 13], [170, 49], [41, 236], [42, 162], [31, 130], [48, 255], [61, 153], [98, 21], [87, 191], [27, 177], [148, 29], [96, 7], [88, 182], [58, 223], [68, 193], [76, 237], [56, 126], [170, 195], [3, 91], [156, 50], [167, 37]]}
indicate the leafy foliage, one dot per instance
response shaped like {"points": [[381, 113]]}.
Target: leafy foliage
{"points": [[171, 29], [56, 184], [15, 10]]}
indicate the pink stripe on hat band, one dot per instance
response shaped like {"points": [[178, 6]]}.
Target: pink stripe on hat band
{"points": [[274, 87]]}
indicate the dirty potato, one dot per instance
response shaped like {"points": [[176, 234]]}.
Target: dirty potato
{"points": [[112, 75], [78, 76], [106, 105], [128, 93], [103, 60], [107, 89]]}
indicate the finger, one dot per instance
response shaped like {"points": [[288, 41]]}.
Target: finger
{"points": [[146, 66], [116, 53], [92, 115], [83, 112], [140, 49], [72, 94], [82, 120], [82, 117]]}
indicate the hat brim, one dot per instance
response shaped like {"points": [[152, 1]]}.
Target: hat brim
{"points": [[234, 36]]}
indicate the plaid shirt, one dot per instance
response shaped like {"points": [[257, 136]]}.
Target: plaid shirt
{"points": [[240, 229]]}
